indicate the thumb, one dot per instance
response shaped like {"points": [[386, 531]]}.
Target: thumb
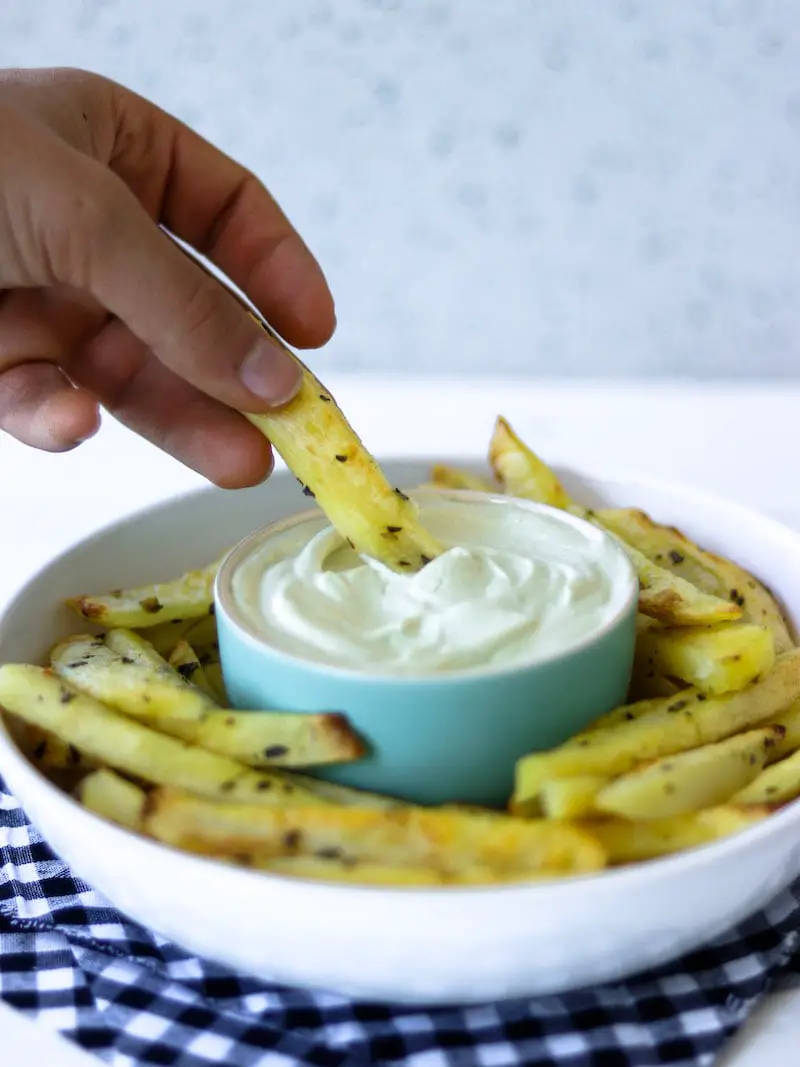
{"points": [[100, 239]]}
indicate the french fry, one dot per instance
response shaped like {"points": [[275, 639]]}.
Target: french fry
{"points": [[789, 720], [406, 837], [570, 798], [633, 842], [125, 673], [776, 785], [638, 710], [690, 781], [662, 595], [716, 659], [646, 684], [276, 739], [720, 577], [46, 750], [131, 677], [668, 727], [202, 632], [113, 797], [332, 465], [214, 676], [166, 635], [187, 597], [346, 796], [445, 477], [38, 696], [521, 472], [186, 662]]}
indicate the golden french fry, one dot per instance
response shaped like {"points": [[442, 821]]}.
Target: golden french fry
{"points": [[445, 477], [115, 798], [332, 465], [521, 472], [690, 781], [38, 696], [778, 784], [569, 798], [166, 635], [124, 672], [186, 662], [45, 749], [214, 676], [789, 720], [406, 836], [716, 659], [638, 710], [662, 595], [277, 739], [669, 726], [131, 677], [202, 632], [187, 597], [633, 842], [720, 577], [345, 795]]}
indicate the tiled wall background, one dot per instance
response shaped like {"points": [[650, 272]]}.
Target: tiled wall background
{"points": [[555, 187]]}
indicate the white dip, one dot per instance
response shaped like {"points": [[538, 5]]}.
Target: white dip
{"points": [[521, 585]]}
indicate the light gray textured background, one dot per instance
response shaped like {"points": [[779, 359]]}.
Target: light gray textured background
{"points": [[556, 187]]}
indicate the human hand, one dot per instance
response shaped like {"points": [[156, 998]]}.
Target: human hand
{"points": [[98, 305]]}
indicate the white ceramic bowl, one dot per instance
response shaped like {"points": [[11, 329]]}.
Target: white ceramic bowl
{"points": [[374, 942]]}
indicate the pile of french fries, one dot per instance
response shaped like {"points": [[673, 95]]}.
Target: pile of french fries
{"points": [[132, 718]]}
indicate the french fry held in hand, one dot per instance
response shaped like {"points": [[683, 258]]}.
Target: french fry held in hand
{"points": [[187, 597], [662, 595], [716, 659], [690, 781], [38, 696], [134, 679], [671, 725], [406, 836], [321, 449]]}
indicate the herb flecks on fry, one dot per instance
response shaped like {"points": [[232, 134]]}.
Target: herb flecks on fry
{"points": [[332, 465]]}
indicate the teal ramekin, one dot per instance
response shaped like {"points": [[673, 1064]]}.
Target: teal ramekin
{"points": [[451, 737]]}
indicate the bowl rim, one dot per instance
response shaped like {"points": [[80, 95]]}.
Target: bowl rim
{"points": [[645, 870], [623, 600]]}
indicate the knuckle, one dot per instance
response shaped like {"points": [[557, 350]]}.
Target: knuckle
{"points": [[204, 321], [91, 209]]}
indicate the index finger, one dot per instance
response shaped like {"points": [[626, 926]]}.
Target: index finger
{"points": [[224, 212]]}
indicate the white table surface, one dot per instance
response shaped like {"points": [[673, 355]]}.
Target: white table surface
{"points": [[740, 441]]}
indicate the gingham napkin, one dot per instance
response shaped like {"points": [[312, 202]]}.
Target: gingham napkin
{"points": [[70, 960]]}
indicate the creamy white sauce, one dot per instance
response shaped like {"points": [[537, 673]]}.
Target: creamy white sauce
{"points": [[520, 584]]}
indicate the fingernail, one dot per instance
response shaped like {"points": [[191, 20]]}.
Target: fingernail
{"points": [[271, 374]]}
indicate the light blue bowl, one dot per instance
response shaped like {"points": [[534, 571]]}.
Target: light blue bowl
{"points": [[433, 739]]}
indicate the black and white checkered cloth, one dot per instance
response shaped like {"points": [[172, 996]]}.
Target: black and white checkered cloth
{"points": [[68, 959]]}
